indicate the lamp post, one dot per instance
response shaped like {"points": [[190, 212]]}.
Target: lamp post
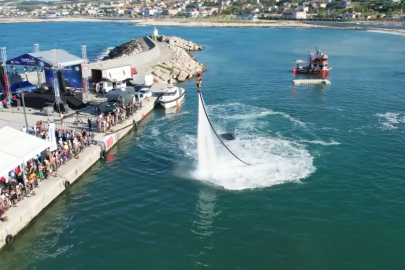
{"points": [[25, 114], [5, 72]]}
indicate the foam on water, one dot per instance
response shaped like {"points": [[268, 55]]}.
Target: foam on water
{"points": [[387, 32], [321, 142], [104, 53], [390, 120], [275, 161], [238, 111]]}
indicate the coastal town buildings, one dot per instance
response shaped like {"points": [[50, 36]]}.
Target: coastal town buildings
{"points": [[199, 8], [294, 15]]}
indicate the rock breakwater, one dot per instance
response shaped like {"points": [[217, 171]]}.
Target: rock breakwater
{"points": [[129, 48], [182, 66]]}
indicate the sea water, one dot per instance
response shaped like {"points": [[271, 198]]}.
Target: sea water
{"points": [[326, 188]]}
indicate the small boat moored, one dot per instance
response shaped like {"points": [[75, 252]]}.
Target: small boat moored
{"points": [[171, 96]]}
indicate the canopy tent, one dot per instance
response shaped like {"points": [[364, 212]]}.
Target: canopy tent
{"points": [[44, 59], [20, 144], [8, 163]]}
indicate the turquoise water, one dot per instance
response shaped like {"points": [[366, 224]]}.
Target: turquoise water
{"points": [[326, 190]]}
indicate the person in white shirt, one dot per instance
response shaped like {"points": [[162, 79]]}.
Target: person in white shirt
{"points": [[24, 129]]}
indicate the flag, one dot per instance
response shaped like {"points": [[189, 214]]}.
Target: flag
{"points": [[6, 83], [294, 71], [51, 136]]}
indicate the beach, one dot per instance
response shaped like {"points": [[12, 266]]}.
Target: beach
{"points": [[360, 25]]}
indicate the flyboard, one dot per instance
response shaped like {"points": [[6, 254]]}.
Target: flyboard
{"points": [[226, 136]]}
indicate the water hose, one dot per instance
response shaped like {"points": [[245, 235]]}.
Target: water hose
{"points": [[202, 102]]}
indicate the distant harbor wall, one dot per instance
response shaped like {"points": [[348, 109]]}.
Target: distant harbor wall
{"points": [[133, 60]]}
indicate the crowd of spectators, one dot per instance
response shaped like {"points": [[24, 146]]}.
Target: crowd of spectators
{"points": [[20, 183], [111, 117]]}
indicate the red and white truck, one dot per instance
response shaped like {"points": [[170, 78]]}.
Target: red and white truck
{"points": [[112, 74]]}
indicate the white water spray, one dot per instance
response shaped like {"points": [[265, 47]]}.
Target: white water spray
{"points": [[207, 157]]}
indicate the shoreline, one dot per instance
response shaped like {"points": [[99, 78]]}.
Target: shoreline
{"points": [[223, 23]]}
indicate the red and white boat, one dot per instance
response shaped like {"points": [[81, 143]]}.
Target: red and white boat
{"points": [[316, 64]]}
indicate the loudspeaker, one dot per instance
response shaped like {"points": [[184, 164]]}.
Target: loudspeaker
{"points": [[47, 111], [61, 81]]}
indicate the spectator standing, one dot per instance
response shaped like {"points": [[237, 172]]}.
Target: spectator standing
{"points": [[89, 123]]}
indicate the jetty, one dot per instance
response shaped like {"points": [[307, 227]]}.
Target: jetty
{"points": [[168, 59], [311, 81]]}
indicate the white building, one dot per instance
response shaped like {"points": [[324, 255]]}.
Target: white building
{"points": [[64, 12], [202, 13], [192, 13], [345, 4], [294, 15], [149, 12], [91, 12]]}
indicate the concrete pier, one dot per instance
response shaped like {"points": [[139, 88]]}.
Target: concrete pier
{"points": [[19, 217], [29, 208]]}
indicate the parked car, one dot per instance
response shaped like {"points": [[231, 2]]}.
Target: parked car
{"points": [[146, 92], [141, 86]]}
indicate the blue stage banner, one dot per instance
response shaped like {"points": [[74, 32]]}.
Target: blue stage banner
{"points": [[72, 75], [27, 60]]}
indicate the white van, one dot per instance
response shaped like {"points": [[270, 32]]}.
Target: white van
{"points": [[104, 87], [142, 79]]}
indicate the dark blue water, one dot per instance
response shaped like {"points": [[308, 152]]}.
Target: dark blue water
{"points": [[326, 190]]}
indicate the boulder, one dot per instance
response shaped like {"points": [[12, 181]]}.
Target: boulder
{"points": [[166, 65], [175, 72], [191, 72], [128, 48], [165, 77], [165, 71], [157, 72], [190, 76], [182, 76]]}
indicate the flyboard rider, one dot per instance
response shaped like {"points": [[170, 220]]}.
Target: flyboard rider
{"points": [[198, 81]]}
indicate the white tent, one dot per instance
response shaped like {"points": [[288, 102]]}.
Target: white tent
{"points": [[21, 145], [8, 163]]}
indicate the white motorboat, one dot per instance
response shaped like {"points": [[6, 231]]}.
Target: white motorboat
{"points": [[172, 96]]}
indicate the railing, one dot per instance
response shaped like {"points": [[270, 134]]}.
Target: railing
{"points": [[77, 125]]}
